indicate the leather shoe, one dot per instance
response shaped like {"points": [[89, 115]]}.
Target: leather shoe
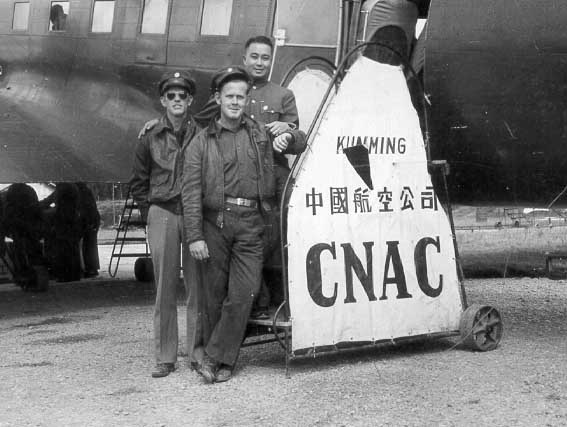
{"points": [[207, 369], [224, 373], [163, 370], [88, 274], [197, 358]]}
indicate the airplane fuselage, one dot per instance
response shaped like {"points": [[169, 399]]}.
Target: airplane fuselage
{"points": [[73, 101]]}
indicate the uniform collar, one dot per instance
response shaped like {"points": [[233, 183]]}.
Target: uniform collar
{"points": [[259, 84], [215, 128], [164, 123]]}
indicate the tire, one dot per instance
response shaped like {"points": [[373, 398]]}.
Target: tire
{"points": [[481, 327], [144, 270]]}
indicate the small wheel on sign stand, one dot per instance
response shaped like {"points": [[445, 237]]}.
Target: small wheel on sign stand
{"points": [[144, 270], [481, 327]]}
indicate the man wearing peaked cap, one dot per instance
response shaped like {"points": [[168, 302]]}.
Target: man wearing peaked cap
{"points": [[228, 183], [226, 74], [274, 106], [176, 79], [156, 188]]}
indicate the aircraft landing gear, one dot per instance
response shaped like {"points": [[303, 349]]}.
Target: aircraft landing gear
{"points": [[481, 327], [144, 270]]}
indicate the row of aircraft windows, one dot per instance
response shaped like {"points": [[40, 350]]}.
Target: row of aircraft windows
{"points": [[215, 19]]}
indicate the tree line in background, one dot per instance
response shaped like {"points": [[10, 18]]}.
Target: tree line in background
{"points": [[109, 191]]}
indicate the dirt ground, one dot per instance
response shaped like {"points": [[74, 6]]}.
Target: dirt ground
{"points": [[80, 355]]}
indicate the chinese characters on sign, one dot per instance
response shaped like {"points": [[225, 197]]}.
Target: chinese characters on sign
{"points": [[338, 201]]}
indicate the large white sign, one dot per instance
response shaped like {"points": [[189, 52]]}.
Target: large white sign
{"points": [[371, 254]]}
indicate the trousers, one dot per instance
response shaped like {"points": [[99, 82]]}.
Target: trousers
{"points": [[89, 248], [167, 248], [231, 279]]}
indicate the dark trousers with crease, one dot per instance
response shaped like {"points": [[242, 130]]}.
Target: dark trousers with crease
{"points": [[231, 279], [271, 256]]}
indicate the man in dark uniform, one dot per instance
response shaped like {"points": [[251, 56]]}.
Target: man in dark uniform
{"points": [[274, 106], [228, 182], [156, 188], [270, 103]]}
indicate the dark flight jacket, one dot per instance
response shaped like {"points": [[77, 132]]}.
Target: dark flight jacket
{"points": [[203, 178], [158, 167]]}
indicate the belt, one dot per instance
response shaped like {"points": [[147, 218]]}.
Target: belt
{"points": [[239, 201]]}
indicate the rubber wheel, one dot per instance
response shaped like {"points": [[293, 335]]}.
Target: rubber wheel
{"points": [[144, 270], [481, 327]]}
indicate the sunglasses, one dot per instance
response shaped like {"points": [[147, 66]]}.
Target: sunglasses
{"points": [[171, 95]]}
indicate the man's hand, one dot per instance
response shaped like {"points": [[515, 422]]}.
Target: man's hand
{"points": [[199, 250], [281, 142], [277, 128], [148, 126]]}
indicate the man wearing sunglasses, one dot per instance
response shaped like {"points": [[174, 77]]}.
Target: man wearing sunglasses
{"points": [[156, 188], [274, 106]]}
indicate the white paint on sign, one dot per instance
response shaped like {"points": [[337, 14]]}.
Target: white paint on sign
{"points": [[371, 254]]}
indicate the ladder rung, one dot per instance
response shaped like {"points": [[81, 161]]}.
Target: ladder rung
{"points": [[130, 255], [130, 239], [135, 223], [124, 227]]}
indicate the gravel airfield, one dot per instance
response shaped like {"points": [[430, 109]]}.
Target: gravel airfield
{"points": [[81, 355]]}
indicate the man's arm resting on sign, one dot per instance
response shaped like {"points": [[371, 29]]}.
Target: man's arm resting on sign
{"points": [[277, 128]]}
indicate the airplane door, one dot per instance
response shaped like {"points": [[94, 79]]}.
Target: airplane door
{"points": [[296, 39], [151, 39]]}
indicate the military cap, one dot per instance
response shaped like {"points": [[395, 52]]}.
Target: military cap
{"points": [[176, 79], [227, 74]]}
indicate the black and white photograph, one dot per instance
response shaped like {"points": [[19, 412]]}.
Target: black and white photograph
{"points": [[283, 213]]}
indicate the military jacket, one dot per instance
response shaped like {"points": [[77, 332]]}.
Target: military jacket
{"points": [[270, 102]]}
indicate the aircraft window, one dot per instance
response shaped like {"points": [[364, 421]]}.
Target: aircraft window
{"points": [[103, 15], [58, 15], [21, 16], [154, 19], [216, 17]]}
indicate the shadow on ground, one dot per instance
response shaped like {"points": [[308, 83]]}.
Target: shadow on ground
{"points": [[72, 297]]}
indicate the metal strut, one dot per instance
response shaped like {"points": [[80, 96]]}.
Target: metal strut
{"points": [[131, 218]]}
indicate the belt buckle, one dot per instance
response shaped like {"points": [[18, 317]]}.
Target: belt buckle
{"points": [[242, 202]]}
